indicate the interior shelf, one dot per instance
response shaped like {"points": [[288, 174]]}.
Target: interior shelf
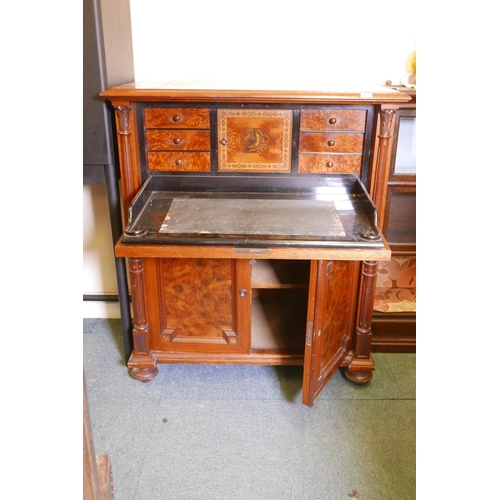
{"points": [[282, 274], [279, 321]]}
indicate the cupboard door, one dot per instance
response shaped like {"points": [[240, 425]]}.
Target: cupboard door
{"points": [[330, 322], [202, 305]]}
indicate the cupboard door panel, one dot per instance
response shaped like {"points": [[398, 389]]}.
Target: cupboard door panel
{"points": [[330, 322], [203, 305]]}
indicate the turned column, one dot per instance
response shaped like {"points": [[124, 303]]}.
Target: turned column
{"points": [[142, 363], [383, 160], [127, 151], [362, 365]]}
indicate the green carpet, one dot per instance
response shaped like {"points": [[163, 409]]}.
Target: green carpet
{"points": [[241, 432]]}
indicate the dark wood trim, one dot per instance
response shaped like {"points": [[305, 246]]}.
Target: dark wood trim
{"points": [[394, 332], [101, 297]]}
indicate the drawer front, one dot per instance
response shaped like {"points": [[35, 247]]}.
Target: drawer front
{"points": [[178, 140], [176, 118], [333, 119], [179, 162], [329, 164], [330, 142]]}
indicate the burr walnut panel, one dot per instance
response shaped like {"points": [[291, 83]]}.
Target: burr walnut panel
{"points": [[330, 142], [178, 140], [329, 164], [337, 312], [178, 161], [331, 323], [325, 150], [333, 119], [176, 118], [198, 305]]}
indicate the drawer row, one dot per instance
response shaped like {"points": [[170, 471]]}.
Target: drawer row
{"points": [[309, 163], [335, 119], [330, 141]]}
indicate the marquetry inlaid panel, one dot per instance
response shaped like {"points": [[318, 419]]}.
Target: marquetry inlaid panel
{"points": [[255, 140]]}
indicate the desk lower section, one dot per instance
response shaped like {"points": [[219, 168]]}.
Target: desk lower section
{"points": [[219, 305]]}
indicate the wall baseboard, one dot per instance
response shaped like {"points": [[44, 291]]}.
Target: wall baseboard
{"points": [[100, 297], [101, 309]]}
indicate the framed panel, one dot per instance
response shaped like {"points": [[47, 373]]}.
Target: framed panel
{"points": [[201, 305], [403, 158], [255, 140]]}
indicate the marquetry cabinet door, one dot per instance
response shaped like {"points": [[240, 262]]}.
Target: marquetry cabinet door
{"points": [[330, 322], [199, 305]]}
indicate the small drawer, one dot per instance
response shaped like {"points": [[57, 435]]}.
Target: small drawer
{"points": [[179, 162], [176, 118], [332, 119], [178, 140], [330, 142], [329, 164]]}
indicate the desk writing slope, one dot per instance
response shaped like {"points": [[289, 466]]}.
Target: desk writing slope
{"points": [[253, 217]]}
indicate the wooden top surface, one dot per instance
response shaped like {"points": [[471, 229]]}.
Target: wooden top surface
{"points": [[255, 91], [231, 252]]}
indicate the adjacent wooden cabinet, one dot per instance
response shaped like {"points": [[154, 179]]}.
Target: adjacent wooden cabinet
{"points": [[253, 230], [394, 319]]}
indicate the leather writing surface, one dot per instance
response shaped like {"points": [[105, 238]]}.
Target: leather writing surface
{"points": [[258, 217]]}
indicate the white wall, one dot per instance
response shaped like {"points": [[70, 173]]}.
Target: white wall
{"points": [[301, 40], [99, 276], [255, 40]]}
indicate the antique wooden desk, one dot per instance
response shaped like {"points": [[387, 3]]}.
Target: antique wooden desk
{"points": [[252, 231]]}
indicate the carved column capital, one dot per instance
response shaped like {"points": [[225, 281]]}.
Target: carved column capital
{"points": [[386, 116], [123, 114]]}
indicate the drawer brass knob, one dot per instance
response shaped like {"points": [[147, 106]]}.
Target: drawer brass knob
{"points": [[176, 118], [177, 140], [178, 162], [329, 164], [223, 142], [331, 143], [243, 292], [332, 121]]}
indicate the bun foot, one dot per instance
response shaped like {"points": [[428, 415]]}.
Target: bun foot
{"points": [[358, 378], [145, 374]]}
